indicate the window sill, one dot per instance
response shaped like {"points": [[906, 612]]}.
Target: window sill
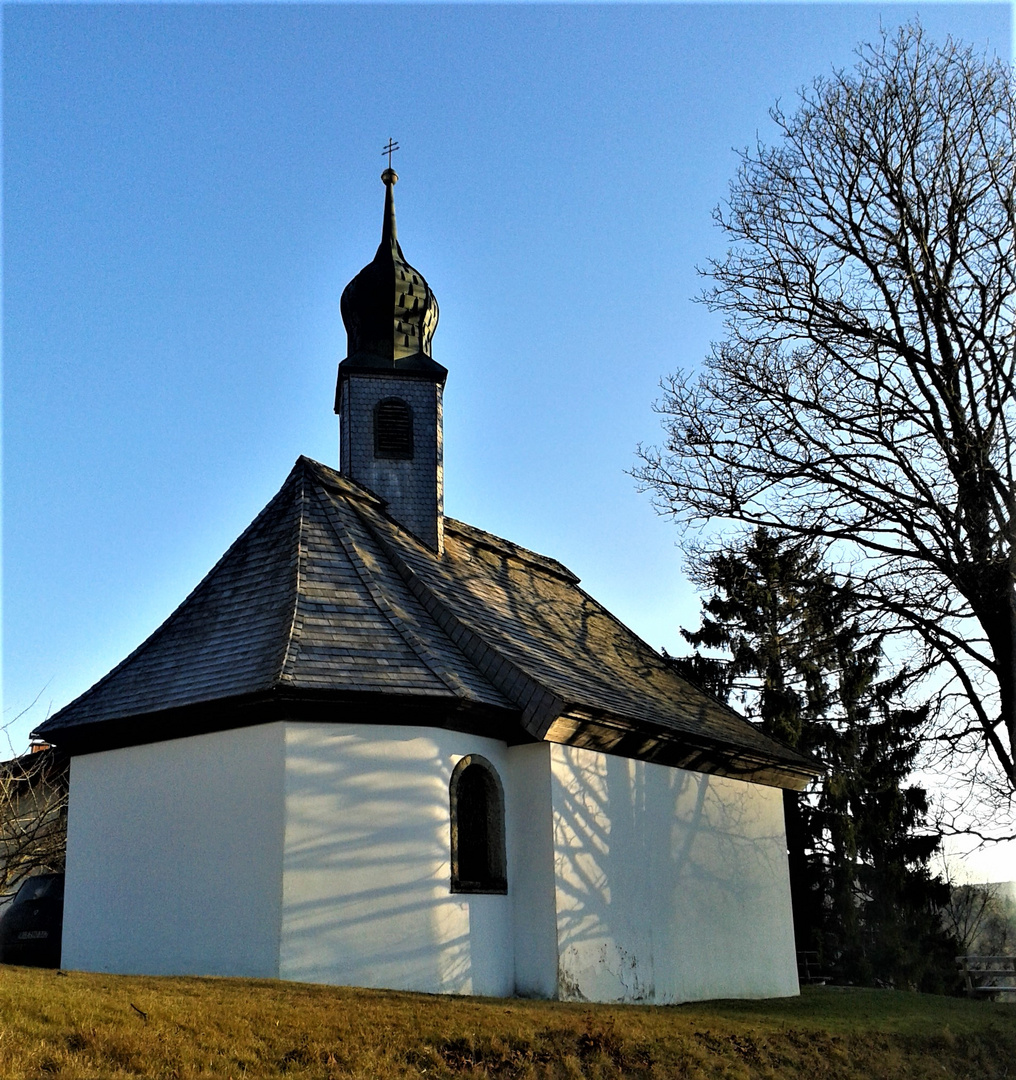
{"points": [[495, 888]]}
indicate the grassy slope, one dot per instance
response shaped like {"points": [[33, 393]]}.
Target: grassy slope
{"points": [[80, 1025]]}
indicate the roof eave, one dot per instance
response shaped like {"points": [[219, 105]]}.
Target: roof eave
{"points": [[298, 705], [665, 746]]}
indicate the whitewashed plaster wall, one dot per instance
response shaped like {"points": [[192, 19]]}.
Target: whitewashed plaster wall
{"points": [[366, 869], [322, 853], [174, 856], [671, 885]]}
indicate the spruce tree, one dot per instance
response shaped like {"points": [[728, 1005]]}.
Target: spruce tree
{"points": [[800, 664]]}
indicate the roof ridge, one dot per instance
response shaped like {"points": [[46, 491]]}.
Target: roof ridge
{"points": [[332, 478], [388, 607], [294, 636], [354, 489], [539, 704], [508, 547]]}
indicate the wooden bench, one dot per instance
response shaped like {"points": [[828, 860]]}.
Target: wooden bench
{"points": [[988, 975]]}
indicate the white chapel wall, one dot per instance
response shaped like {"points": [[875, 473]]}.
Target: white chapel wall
{"points": [[366, 899], [531, 870], [174, 856], [671, 885], [322, 853]]}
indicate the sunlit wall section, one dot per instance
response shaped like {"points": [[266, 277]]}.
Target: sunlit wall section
{"points": [[366, 899], [670, 885], [174, 856]]}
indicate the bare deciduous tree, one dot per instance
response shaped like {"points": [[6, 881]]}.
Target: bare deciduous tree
{"points": [[33, 816], [981, 917], [865, 392], [33, 811]]}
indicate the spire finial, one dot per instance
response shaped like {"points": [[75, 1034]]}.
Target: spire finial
{"points": [[389, 234], [389, 176]]}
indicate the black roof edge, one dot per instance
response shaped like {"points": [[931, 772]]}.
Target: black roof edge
{"points": [[668, 746], [659, 745], [313, 706]]}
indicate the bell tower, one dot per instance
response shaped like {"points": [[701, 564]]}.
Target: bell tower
{"points": [[389, 389]]}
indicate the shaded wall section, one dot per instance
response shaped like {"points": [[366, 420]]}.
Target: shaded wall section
{"points": [[531, 870], [366, 871], [670, 885], [174, 856]]}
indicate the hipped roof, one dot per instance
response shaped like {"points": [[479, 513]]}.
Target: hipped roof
{"points": [[327, 609]]}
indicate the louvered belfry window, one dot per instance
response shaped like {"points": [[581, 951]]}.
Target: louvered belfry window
{"points": [[393, 429]]}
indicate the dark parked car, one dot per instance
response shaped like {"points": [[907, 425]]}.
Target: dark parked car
{"points": [[31, 925]]}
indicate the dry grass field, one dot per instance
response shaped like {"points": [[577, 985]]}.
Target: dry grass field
{"points": [[54, 1024]]}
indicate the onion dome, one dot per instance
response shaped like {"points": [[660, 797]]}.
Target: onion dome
{"points": [[389, 310]]}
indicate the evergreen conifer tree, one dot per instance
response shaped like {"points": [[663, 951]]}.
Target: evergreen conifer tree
{"points": [[800, 664]]}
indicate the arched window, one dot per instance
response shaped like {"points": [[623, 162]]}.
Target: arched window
{"points": [[477, 808], [393, 429]]}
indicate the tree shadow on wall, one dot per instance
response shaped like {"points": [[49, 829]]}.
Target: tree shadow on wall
{"points": [[366, 898], [661, 874]]}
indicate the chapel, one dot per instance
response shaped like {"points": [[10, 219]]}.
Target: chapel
{"points": [[380, 747]]}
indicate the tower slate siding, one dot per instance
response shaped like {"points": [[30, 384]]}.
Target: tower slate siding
{"points": [[412, 488]]}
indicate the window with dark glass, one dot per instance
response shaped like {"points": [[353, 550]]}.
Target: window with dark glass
{"points": [[477, 816], [393, 429]]}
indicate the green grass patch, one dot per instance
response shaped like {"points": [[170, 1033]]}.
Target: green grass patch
{"points": [[84, 1025]]}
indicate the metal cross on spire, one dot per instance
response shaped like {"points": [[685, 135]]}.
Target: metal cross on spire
{"points": [[389, 150]]}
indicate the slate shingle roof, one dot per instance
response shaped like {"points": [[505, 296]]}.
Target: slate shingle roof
{"points": [[325, 599]]}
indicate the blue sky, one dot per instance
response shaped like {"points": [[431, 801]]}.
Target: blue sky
{"points": [[187, 190]]}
